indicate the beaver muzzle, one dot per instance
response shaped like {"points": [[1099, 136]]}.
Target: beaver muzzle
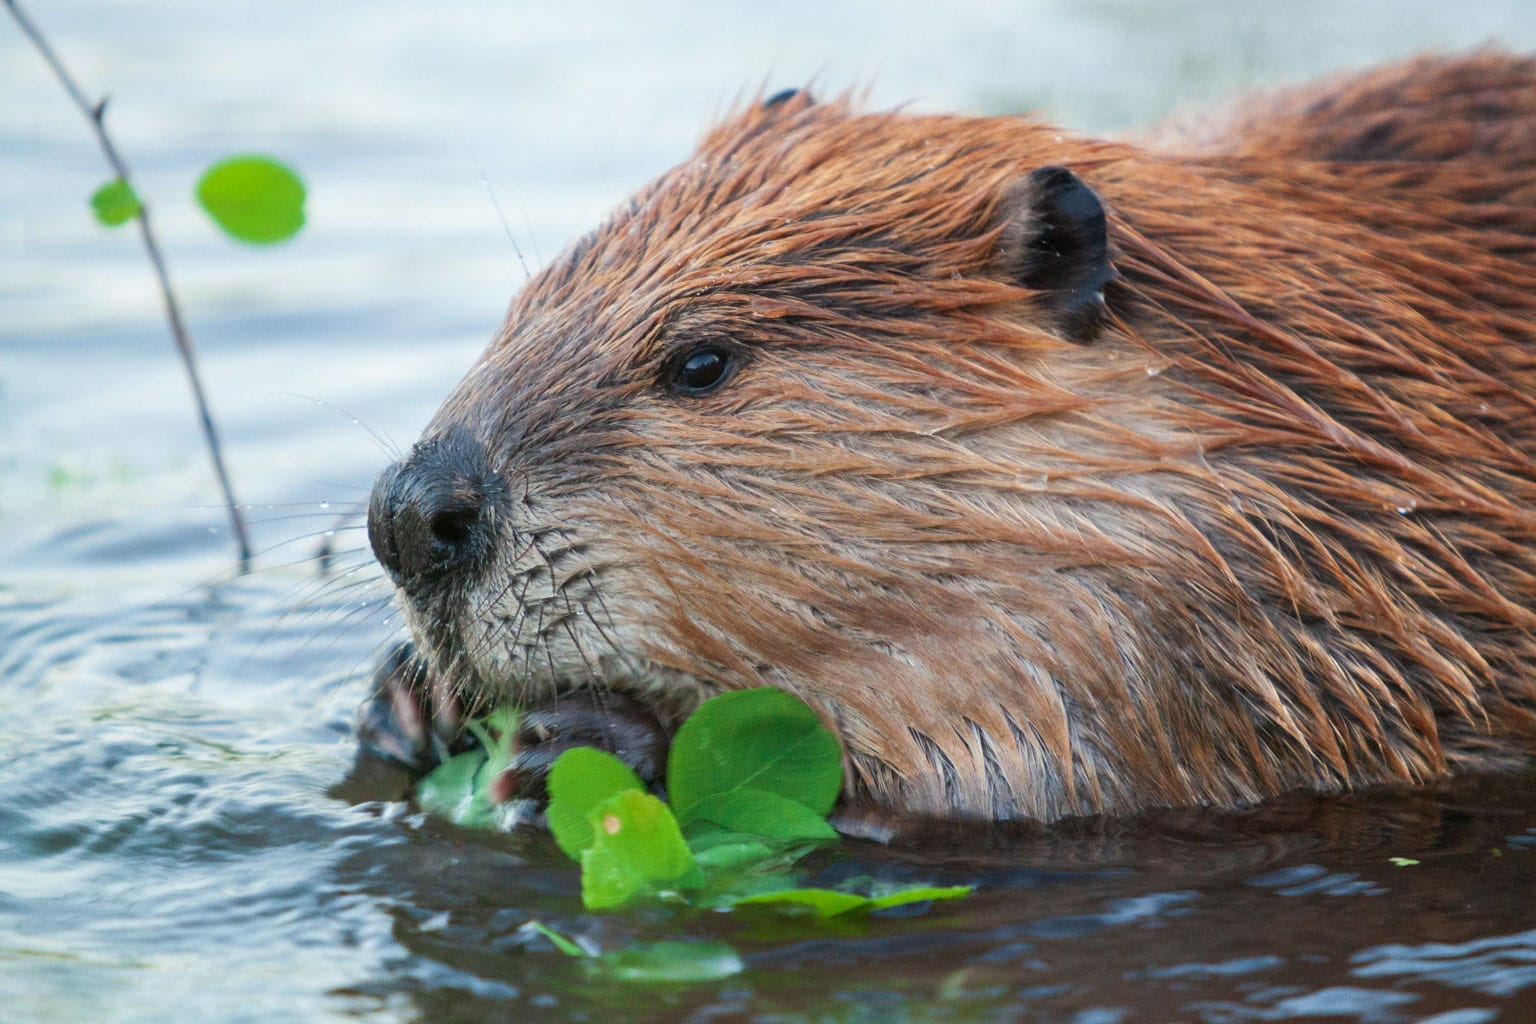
{"points": [[431, 515]]}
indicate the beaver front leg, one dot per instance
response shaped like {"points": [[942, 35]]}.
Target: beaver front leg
{"points": [[413, 720]]}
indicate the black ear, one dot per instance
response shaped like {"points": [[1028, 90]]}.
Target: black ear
{"points": [[1056, 242], [785, 96]]}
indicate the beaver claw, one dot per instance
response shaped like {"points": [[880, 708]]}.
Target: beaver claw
{"points": [[413, 720]]}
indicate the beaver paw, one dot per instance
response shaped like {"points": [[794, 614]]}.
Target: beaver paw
{"points": [[411, 719], [608, 721]]}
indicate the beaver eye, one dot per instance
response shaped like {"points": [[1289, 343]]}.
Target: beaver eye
{"points": [[703, 369]]}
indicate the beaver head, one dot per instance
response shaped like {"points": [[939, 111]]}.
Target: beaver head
{"points": [[1059, 476]]}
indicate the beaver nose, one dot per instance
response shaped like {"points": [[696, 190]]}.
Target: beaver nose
{"points": [[430, 515]]}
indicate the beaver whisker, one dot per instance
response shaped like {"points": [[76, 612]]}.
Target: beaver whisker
{"points": [[491, 640], [595, 592], [521, 645], [488, 640], [450, 677], [593, 668], [566, 619], [522, 608], [545, 646]]}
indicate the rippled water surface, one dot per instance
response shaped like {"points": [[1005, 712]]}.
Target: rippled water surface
{"points": [[179, 839]]}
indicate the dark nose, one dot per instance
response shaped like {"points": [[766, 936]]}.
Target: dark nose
{"points": [[431, 513]]}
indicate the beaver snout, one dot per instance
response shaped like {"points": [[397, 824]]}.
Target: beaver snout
{"points": [[431, 515]]}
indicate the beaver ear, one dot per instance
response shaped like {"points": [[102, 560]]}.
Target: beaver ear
{"points": [[790, 97], [1055, 241]]}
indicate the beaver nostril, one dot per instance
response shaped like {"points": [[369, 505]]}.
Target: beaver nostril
{"points": [[454, 526], [427, 517]]}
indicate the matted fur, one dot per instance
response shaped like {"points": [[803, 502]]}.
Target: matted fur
{"points": [[1274, 528]]}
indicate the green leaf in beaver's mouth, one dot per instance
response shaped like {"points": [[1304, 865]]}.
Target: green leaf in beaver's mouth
{"points": [[462, 788], [752, 776], [761, 741]]}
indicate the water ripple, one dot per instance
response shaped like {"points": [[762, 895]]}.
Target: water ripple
{"points": [[1499, 965]]}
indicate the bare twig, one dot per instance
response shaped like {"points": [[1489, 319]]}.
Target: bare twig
{"points": [[96, 114]]}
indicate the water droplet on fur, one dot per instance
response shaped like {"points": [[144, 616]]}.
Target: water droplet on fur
{"points": [[1153, 371], [1403, 510]]}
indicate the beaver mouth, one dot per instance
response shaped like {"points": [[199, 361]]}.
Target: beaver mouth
{"points": [[529, 660]]}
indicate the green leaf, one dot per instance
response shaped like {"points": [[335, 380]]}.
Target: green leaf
{"points": [[919, 895], [732, 856], [495, 732], [115, 203], [832, 903], [254, 198], [579, 780], [824, 902], [563, 944], [455, 790], [755, 812], [723, 853], [763, 740], [637, 849], [676, 962], [459, 789], [502, 726]]}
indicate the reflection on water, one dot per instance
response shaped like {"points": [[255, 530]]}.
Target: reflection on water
{"points": [[1181, 916], [176, 840]]}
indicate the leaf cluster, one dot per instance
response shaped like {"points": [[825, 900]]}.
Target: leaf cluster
{"points": [[254, 198], [752, 776]]}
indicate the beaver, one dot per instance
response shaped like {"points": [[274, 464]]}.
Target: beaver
{"points": [[1061, 476]]}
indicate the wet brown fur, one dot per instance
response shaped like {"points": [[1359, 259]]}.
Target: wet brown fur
{"points": [[1274, 528]]}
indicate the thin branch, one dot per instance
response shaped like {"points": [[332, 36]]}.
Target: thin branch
{"points": [[96, 114]]}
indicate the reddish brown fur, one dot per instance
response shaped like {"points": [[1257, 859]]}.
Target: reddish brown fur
{"points": [[1274, 528]]}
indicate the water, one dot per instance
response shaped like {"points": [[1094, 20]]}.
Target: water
{"points": [[177, 838]]}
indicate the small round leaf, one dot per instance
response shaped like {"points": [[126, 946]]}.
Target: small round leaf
{"points": [[254, 198], [580, 779], [115, 203]]}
